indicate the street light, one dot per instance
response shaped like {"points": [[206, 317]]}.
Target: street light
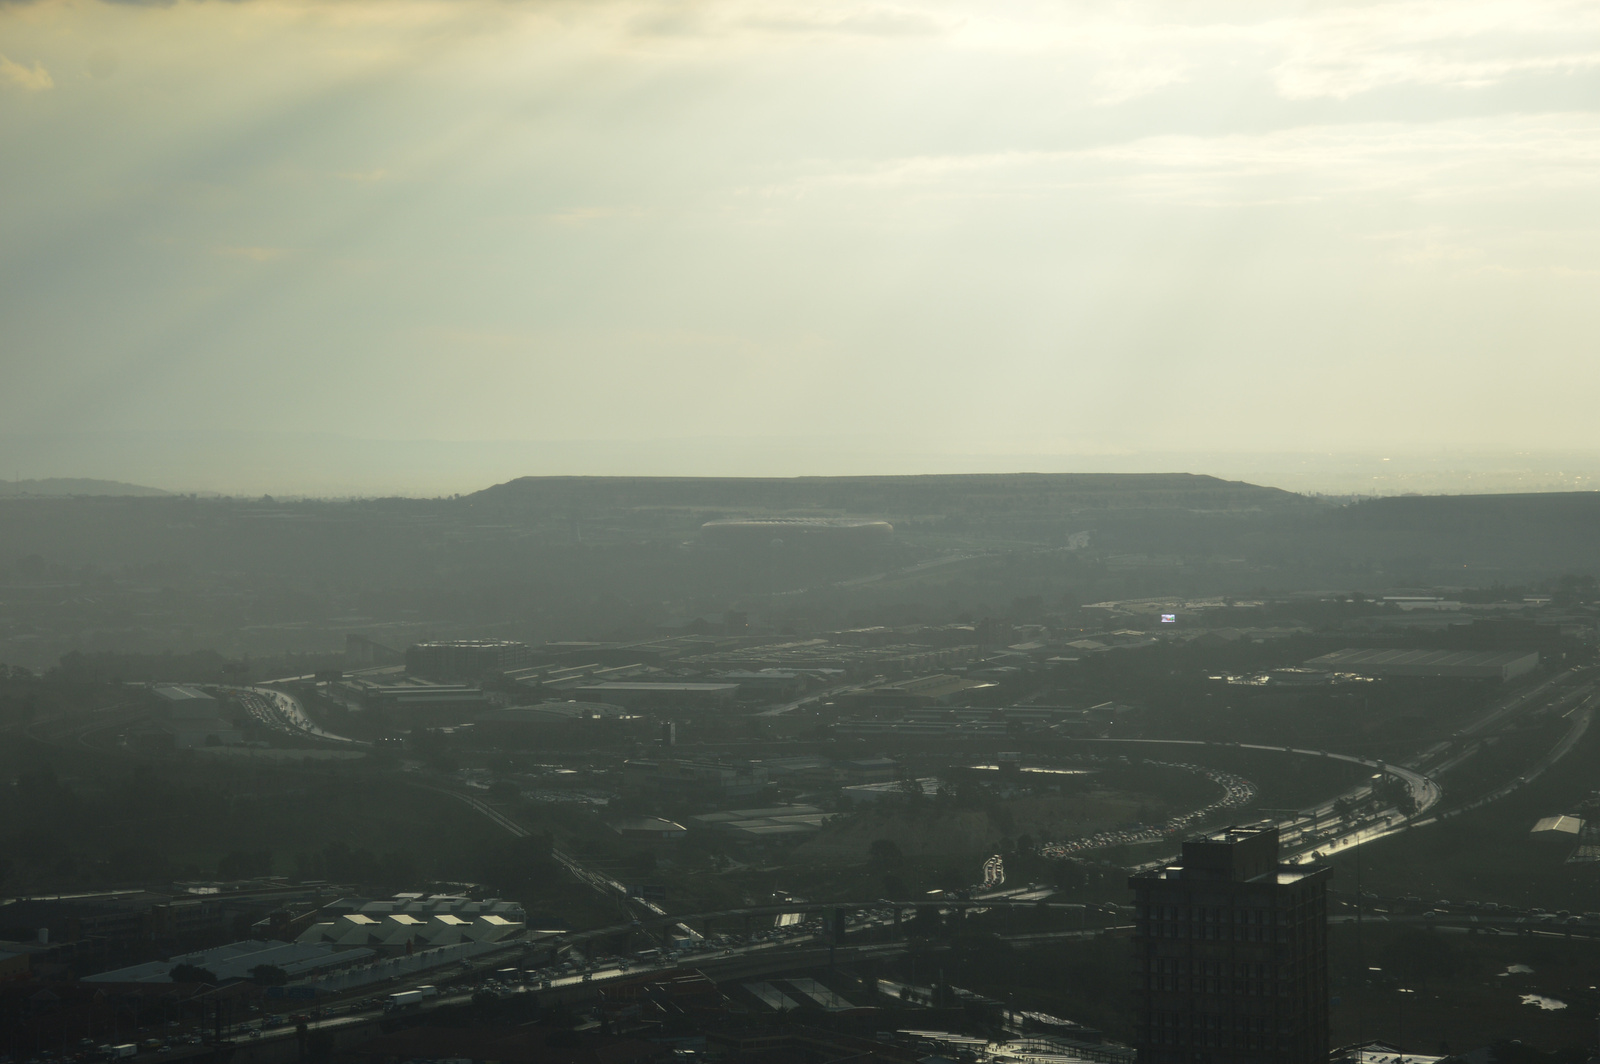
{"points": [[1400, 1038]]}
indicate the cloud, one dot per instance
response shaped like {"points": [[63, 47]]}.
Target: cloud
{"points": [[872, 22], [1348, 50], [1475, 158], [36, 79], [1128, 81], [830, 20]]}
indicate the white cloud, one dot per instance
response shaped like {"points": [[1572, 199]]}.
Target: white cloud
{"points": [[34, 79], [1505, 156], [1348, 50]]}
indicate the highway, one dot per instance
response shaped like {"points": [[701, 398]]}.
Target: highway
{"points": [[1425, 792], [281, 711], [1576, 703]]}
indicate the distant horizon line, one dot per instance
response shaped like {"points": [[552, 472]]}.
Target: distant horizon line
{"points": [[106, 487]]}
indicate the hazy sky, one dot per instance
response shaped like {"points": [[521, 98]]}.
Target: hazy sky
{"points": [[955, 228]]}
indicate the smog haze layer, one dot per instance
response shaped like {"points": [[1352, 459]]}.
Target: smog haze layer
{"points": [[426, 246]]}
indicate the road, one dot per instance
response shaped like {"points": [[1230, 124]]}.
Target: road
{"points": [[1576, 703], [1425, 792], [283, 712], [749, 960]]}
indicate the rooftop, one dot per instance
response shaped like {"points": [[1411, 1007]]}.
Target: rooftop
{"points": [[181, 693], [1431, 658], [237, 960]]}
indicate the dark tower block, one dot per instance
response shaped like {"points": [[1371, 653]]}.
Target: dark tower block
{"points": [[1231, 955]]}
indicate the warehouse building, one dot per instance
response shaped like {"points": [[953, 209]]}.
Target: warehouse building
{"points": [[1431, 664], [189, 718], [414, 921], [646, 695], [653, 831], [237, 961], [561, 723], [693, 781], [1557, 829], [772, 824], [457, 660]]}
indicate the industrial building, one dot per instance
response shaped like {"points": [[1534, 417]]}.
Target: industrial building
{"points": [[1231, 955], [661, 696], [1432, 664], [862, 793], [414, 921], [465, 660], [827, 772], [693, 781], [1557, 829], [237, 961], [767, 684], [414, 704], [775, 823], [189, 717], [919, 691], [561, 723], [651, 831]]}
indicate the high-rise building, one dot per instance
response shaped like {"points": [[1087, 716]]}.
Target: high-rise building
{"points": [[1231, 955]]}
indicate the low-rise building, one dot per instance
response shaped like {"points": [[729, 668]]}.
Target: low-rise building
{"points": [[240, 959], [654, 695], [770, 824], [693, 781], [650, 830], [189, 717], [1432, 664], [1558, 829], [561, 723]]}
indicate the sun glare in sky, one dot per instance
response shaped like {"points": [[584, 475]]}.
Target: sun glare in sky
{"points": [[967, 228]]}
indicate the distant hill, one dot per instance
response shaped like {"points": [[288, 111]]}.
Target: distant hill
{"points": [[58, 486], [895, 495]]}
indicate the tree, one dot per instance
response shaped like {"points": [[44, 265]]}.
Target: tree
{"points": [[268, 975], [191, 973], [245, 864], [319, 1045], [885, 852]]}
